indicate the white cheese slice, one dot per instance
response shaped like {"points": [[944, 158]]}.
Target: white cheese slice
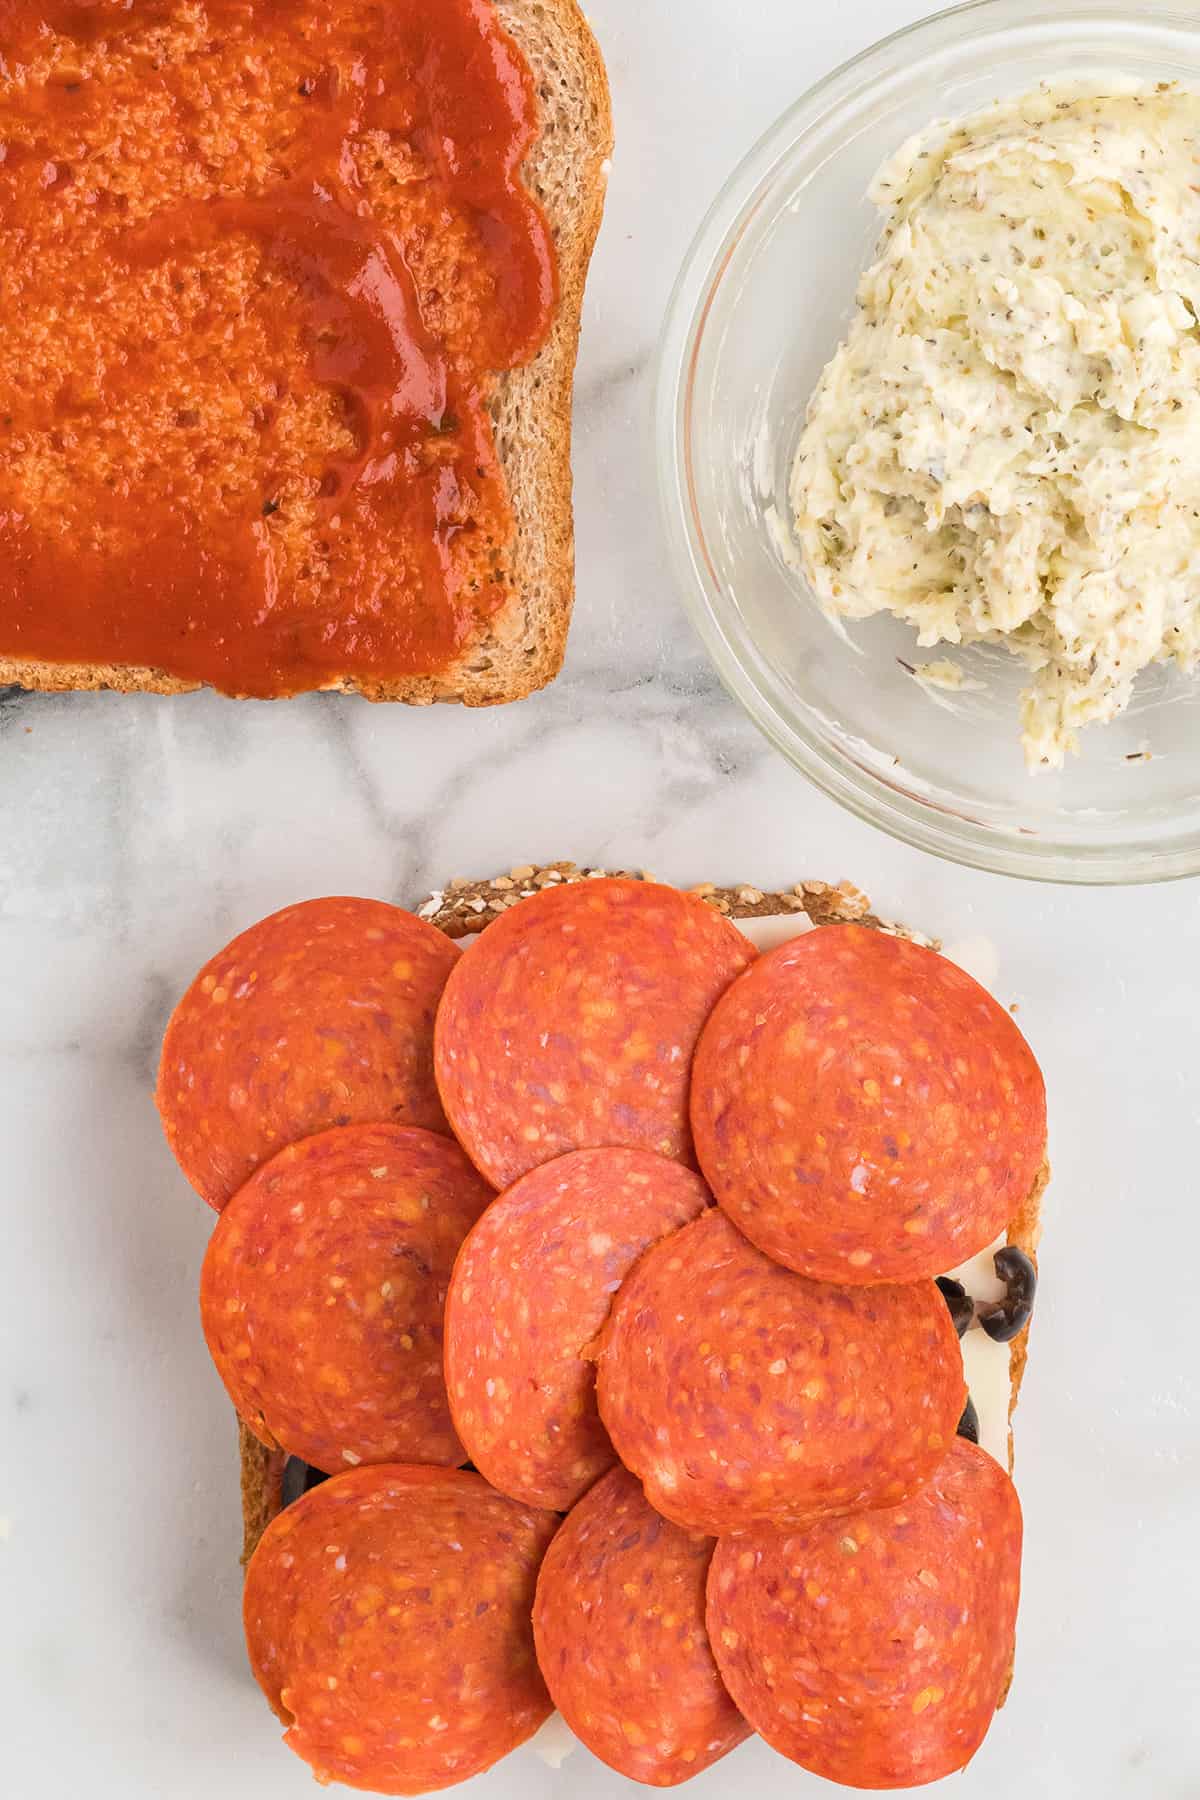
{"points": [[554, 1741], [986, 1364], [781, 928]]}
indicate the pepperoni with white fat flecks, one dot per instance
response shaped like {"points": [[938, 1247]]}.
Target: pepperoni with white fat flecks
{"points": [[621, 1640], [388, 1621], [321, 1015], [742, 1393], [864, 1110], [531, 1288], [873, 1649], [323, 1295], [571, 1023]]}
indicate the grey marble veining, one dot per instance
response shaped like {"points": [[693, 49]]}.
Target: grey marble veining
{"points": [[137, 834]]}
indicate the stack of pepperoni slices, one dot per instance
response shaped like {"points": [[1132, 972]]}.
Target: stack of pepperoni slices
{"points": [[643, 1228]]}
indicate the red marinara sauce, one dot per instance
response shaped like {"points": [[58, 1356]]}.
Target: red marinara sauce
{"points": [[260, 262]]}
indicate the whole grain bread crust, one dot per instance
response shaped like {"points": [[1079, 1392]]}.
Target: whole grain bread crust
{"points": [[465, 907], [531, 407]]}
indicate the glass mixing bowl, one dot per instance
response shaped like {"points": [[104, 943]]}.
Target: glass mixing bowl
{"points": [[763, 299]]}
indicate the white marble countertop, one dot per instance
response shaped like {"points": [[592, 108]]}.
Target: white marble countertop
{"points": [[136, 835]]}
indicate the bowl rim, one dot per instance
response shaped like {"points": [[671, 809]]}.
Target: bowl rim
{"points": [[923, 824]]}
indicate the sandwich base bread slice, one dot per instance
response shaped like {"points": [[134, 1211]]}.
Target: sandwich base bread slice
{"points": [[465, 908], [517, 648]]}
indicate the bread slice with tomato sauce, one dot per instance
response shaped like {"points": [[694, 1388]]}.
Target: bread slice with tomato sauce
{"points": [[509, 651]]}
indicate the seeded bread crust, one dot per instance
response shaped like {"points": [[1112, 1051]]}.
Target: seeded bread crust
{"points": [[464, 907], [531, 407]]}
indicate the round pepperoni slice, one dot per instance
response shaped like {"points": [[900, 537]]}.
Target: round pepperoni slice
{"points": [[572, 1022], [387, 1618], [531, 1288], [620, 1634], [321, 1015], [873, 1649], [744, 1394], [323, 1293], [864, 1111]]}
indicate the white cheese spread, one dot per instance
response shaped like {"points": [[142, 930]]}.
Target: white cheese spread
{"points": [[1006, 448]]}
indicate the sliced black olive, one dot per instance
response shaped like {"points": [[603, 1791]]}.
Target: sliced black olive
{"points": [[292, 1486], [962, 1307], [1003, 1319], [968, 1425], [298, 1478]]}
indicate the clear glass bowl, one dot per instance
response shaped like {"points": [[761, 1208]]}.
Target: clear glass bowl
{"points": [[765, 295]]}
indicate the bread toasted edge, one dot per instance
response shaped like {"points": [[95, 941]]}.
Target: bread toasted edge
{"points": [[567, 171], [467, 907], [531, 408]]}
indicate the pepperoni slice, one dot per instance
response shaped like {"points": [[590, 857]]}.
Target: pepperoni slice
{"points": [[323, 1291], [873, 1649], [572, 1022], [387, 1618], [621, 1639], [864, 1110], [744, 1394], [321, 1015], [531, 1288]]}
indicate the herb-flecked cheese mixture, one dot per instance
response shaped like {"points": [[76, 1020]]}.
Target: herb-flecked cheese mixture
{"points": [[1006, 448]]}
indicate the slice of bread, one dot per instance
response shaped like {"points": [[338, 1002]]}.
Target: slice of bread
{"points": [[522, 647], [467, 907]]}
